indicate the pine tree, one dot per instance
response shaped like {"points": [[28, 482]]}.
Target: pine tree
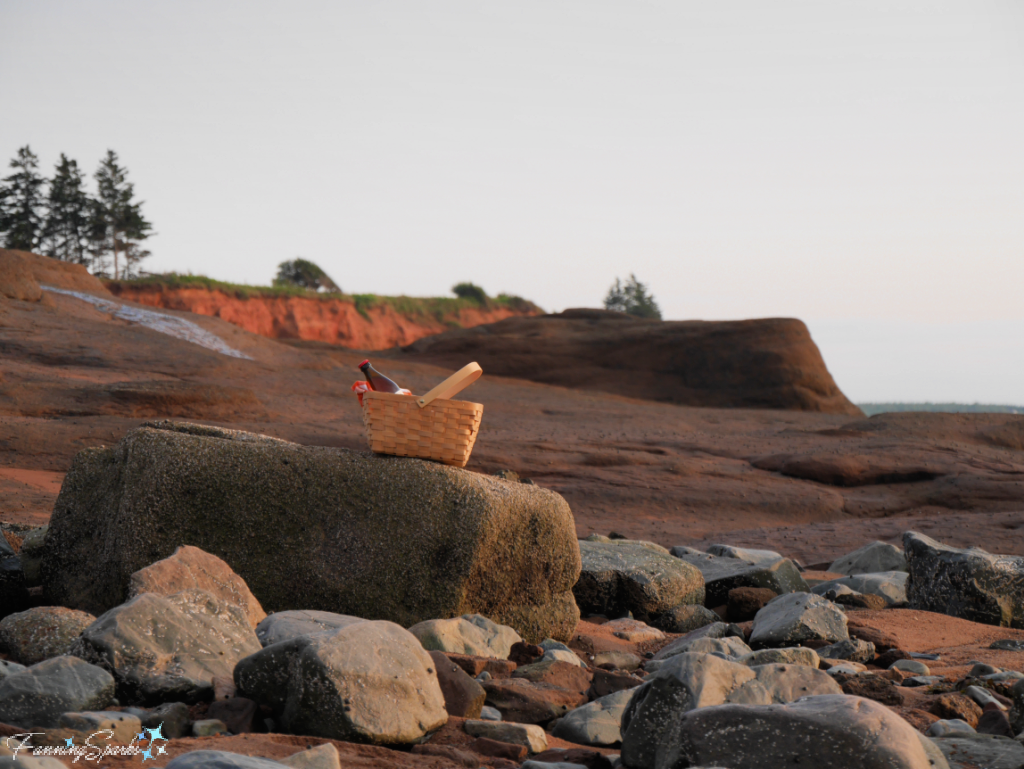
{"points": [[65, 233], [116, 224], [21, 202], [631, 297]]}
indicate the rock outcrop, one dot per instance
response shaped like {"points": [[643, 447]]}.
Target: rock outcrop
{"points": [[315, 528], [771, 363]]}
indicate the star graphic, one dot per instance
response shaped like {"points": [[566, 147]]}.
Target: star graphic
{"points": [[157, 734], [147, 754], [70, 741], [140, 736], [161, 751]]}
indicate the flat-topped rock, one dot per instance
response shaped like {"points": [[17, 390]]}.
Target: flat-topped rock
{"points": [[309, 527], [723, 574]]}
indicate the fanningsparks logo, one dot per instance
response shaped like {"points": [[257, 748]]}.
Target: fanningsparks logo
{"points": [[93, 748]]}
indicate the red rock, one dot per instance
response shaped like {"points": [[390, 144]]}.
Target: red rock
{"points": [[496, 749], [453, 754], [558, 673], [745, 602], [463, 696], [474, 666], [237, 713], [883, 641], [957, 706], [887, 658], [523, 653], [190, 568], [525, 702], [994, 721], [871, 687], [606, 682], [588, 758]]}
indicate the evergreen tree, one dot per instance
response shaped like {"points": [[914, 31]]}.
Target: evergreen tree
{"points": [[65, 233], [631, 297], [305, 274], [117, 226], [21, 202]]}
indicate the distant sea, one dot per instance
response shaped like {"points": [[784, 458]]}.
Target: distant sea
{"points": [[953, 408]]}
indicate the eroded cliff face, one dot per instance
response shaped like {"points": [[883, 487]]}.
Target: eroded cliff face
{"points": [[336, 321]]}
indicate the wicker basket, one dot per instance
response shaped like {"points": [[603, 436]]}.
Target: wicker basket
{"points": [[427, 427]]}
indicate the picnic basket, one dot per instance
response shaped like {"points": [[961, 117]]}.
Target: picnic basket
{"points": [[430, 426]]}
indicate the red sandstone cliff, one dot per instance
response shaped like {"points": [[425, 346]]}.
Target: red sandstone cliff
{"points": [[315, 318]]}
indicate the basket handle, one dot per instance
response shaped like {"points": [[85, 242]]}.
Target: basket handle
{"points": [[453, 385]]}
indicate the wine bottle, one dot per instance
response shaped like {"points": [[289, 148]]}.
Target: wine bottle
{"points": [[377, 380]]}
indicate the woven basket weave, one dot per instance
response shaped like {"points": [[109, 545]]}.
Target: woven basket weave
{"points": [[442, 430]]}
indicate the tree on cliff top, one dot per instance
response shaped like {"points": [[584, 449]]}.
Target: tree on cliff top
{"points": [[632, 298], [65, 233], [305, 274], [117, 225], [21, 202]]}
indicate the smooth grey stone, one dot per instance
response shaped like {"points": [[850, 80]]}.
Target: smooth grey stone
{"points": [[286, 625], [873, 557], [221, 759], [797, 617], [915, 681], [469, 634], [1008, 644], [745, 554], [984, 750], [39, 695], [890, 585], [714, 630], [683, 619], [596, 723], [850, 649], [723, 574], [913, 667], [949, 727]]}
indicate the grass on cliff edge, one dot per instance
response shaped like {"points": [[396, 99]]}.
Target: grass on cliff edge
{"points": [[436, 307]]}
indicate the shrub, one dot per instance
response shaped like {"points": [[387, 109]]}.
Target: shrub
{"points": [[470, 291], [305, 274]]}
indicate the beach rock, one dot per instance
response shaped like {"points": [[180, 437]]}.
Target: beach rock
{"points": [[971, 584], [633, 630], [855, 600], [463, 696], [950, 728], [995, 721], [31, 555], [796, 655], [189, 568], [123, 725], [852, 649], [334, 521], [286, 625], [42, 632], [870, 687], [680, 645], [37, 696], [616, 660], [471, 634], [873, 557], [745, 554], [526, 702], [13, 590], [683, 619], [29, 762], [957, 706], [798, 617], [238, 714], [723, 574], [8, 668], [606, 682], [168, 648], [745, 602], [889, 585], [529, 736], [367, 682], [910, 667], [619, 577], [557, 673], [220, 759], [475, 666], [789, 682], [321, 757], [823, 731], [981, 750], [730, 646], [596, 723], [172, 717]]}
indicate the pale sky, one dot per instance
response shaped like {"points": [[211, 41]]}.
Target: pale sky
{"points": [[858, 165]]}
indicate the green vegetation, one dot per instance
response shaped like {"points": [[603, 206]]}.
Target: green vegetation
{"points": [[470, 291], [438, 308], [632, 298], [953, 408], [304, 274]]}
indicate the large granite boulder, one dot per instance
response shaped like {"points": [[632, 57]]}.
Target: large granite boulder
{"points": [[286, 625], [623, 576], [170, 648], [873, 557], [366, 682], [471, 634], [823, 731], [309, 527], [722, 574], [968, 583], [189, 568], [37, 696]]}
